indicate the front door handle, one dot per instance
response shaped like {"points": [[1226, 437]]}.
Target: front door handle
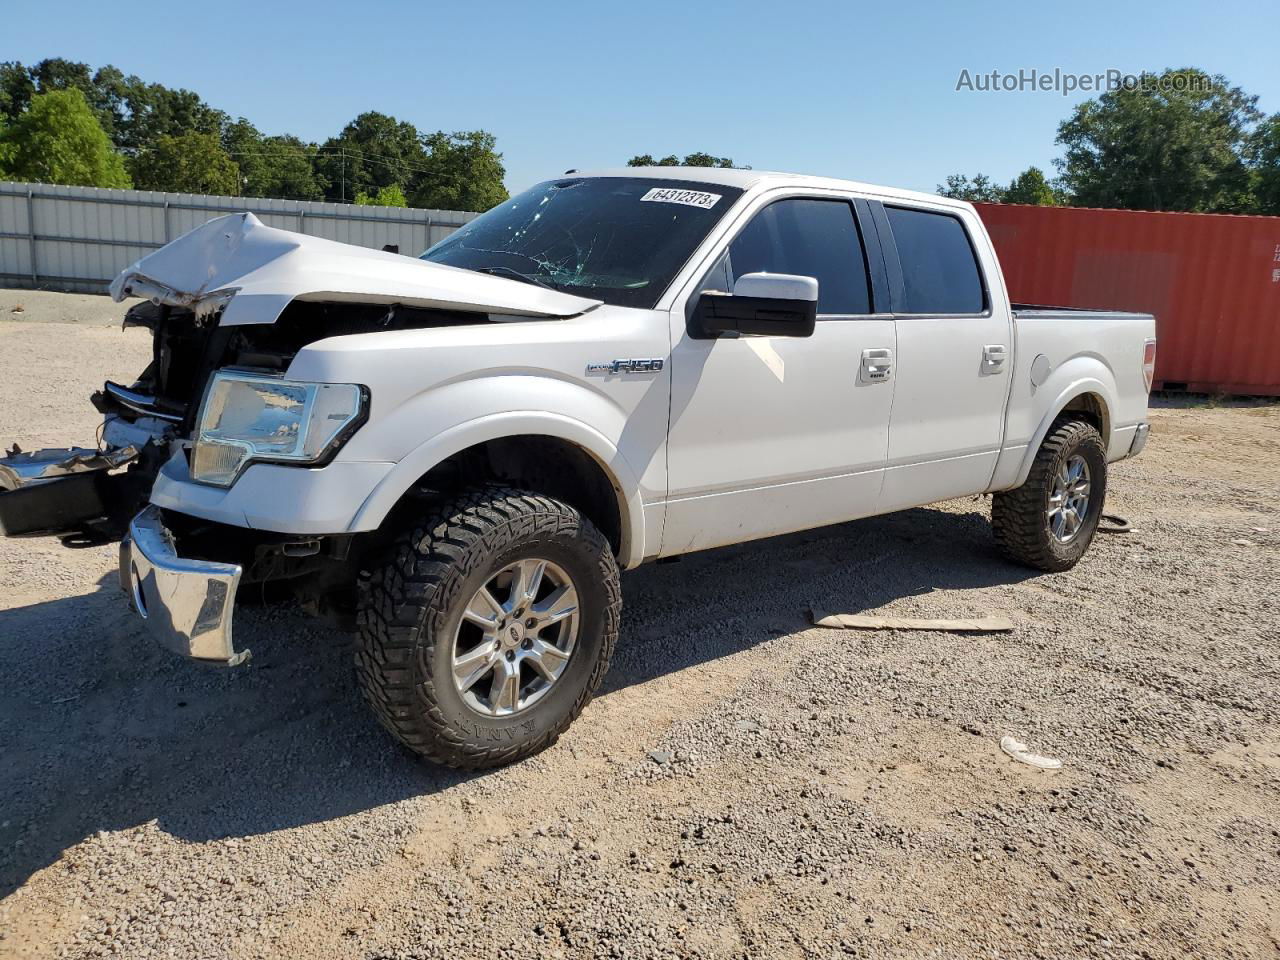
{"points": [[877, 364], [993, 356]]}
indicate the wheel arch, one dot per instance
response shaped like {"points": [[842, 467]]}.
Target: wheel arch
{"points": [[578, 463], [1086, 396]]}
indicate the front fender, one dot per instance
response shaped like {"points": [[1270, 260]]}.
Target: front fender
{"points": [[437, 392], [513, 423]]}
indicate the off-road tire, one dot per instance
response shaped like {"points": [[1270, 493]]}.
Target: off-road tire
{"points": [[410, 602], [1018, 517]]}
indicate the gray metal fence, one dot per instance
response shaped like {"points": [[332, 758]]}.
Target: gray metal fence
{"points": [[79, 238]]}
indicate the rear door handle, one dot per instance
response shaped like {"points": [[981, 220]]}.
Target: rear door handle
{"points": [[877, 365], [993, 355]]}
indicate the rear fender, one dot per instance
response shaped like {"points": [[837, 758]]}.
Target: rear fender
{"points": [[1078, 377]]}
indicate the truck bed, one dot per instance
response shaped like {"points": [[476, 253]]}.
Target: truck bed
{"points": [[1027, 311]]}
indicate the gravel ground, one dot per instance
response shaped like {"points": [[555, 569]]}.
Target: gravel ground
{"points": [[745, 786]]}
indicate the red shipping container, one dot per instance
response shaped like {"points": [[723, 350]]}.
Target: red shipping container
{"points": [[1212, 281]]}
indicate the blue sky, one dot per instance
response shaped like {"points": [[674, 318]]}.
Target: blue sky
{"points": [[865, 91]]}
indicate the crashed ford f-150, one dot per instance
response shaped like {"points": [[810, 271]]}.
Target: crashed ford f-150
{"points": [[454, 455]]}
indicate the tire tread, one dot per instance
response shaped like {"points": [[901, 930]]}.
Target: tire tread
{"points": [[415, 584], [1017, 516]]}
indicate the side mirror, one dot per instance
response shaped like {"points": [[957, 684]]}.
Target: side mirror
{"points": [[763, 304]]}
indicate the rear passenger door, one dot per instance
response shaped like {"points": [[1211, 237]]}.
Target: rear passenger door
{"points": [[954, 355], [774, 434]]}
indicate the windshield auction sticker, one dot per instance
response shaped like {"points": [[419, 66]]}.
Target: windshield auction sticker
{"points": [[690, 198]]}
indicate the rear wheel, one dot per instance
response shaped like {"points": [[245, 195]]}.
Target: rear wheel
{"points": [[489, 627], [1049, 521]]}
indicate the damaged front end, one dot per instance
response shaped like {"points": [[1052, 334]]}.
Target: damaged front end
{"points": [[231, 305], [88, 496]]}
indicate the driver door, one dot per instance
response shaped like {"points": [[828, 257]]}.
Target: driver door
{"points": [[772, 434]]}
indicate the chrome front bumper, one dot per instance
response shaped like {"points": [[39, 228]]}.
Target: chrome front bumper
{"points": [[187, 604]]}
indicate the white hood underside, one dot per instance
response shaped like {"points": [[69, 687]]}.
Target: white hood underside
{"points": [[268, 268]]}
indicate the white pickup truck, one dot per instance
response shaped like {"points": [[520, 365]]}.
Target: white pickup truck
{"points": [[456, 454]]}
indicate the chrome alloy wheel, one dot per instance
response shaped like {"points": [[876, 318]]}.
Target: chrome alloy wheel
{"points": [[515, 637], [1069, 501]]}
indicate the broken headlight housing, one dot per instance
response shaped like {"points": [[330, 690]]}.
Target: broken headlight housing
{"points": [[248, 417]]}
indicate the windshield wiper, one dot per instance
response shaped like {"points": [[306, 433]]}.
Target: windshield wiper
{"points": [[514, 275]]}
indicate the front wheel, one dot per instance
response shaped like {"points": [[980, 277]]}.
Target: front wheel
{"points": [[1049, 521], [488, 628]]}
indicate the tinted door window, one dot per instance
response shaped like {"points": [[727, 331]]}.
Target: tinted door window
{"points": [[939, 270], [811, 238]]}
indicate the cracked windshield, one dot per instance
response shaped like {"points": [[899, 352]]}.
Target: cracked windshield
{"points": [[619, 240]]}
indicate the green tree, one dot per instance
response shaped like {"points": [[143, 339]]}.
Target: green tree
{"points": [[698, 159], [172, 140], [6, 151], [462, 171], [1173, 142], [372, 151], [242, 142], [104, 90], [57, 73], [292, 171], [132, 112], [976, 189], [16, 89], [281, 166], [391, 196], [1031, 187], [190, 163], [59, 140], [109, 97], [1264, 161], [153, 112], [19, 84]]}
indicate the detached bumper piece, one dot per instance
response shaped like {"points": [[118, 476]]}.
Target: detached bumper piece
{"points": [[187, 604], [54, 491], [1139, 439]]}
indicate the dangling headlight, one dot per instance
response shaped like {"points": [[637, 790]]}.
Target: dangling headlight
{"points": [[247, 417]]}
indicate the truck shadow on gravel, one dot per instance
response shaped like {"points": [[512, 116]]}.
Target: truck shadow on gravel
{"points": [[103, 731]]}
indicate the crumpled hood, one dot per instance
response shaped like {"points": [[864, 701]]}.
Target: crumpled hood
{"points": [[267, 268]]}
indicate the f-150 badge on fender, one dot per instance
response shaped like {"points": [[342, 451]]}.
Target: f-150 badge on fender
{"points": [[626, 366]]}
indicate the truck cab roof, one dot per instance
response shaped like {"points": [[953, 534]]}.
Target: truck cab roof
{"points": [[745, 179]]}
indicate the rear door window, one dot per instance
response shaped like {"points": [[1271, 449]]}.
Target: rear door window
{"points": [[810, 238], [939, 270]]}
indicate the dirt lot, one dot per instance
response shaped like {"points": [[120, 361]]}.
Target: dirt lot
{"points": [[823, 793]]}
